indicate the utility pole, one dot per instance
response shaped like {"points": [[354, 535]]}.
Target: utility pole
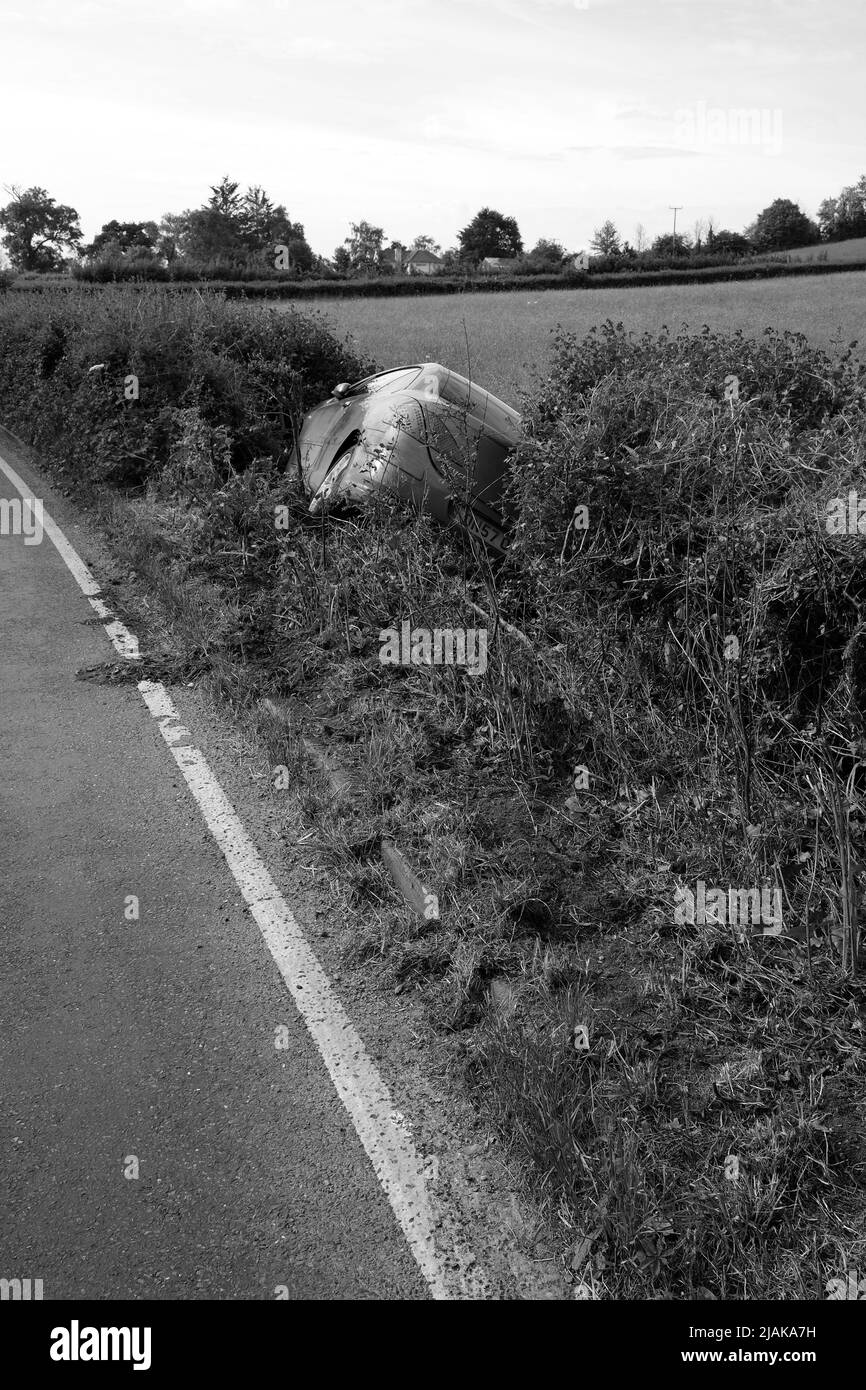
{"points": [[675, 210]]}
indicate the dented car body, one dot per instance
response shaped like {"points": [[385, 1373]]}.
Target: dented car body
{"points": [[423, 432]]}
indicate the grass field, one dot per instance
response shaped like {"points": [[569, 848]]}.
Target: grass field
{"points": [[509, 335], [834, 253]]}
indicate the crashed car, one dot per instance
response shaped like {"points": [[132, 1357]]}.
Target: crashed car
{"points": [[423, 432]]}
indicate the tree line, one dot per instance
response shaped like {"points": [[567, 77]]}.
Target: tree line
{"points": [[246, 231]]}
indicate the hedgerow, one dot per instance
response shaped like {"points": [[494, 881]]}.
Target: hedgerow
{"points": [[251, 285], [67, 363]]}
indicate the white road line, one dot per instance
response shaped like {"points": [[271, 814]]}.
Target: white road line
{"points": [[448, 1267]]}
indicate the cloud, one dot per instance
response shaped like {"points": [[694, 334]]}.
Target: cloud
{"points": [[637, 151], [504, 142]]}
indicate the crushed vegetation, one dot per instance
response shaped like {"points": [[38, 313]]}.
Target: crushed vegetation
{"points": [[682, 703]]}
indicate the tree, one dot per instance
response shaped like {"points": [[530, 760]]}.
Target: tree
{"points": [[264, 225], [782, 226], [257, 218], [725, 243], [669, 245], [426, 243], [490, 233], [605, 239], [225, 198], [214, 231], [640, 238], [173, 230], [827, 219], [844, 216], [302, 258], [342, 260], [125, 237], [364, 244], [38, 229], [211, 234], [546, 253], [549, 249], [242, 228]]}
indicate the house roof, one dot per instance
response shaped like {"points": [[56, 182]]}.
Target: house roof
{"points": [[417, 257]]}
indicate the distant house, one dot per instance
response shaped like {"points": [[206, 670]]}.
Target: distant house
{"points": [[409, 262], [579, 261], [422, 262], [498, 265], [393, 257]]}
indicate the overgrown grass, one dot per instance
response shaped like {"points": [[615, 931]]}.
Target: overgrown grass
{"points": [[686, 1100]]}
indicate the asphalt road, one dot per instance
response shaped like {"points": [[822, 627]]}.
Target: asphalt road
{"points": [[150, 1039]]}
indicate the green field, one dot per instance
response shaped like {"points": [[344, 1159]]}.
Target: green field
{"points": [[834, 252], [509, 335]]}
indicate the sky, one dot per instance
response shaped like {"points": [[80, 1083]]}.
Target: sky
{"points": [[413, 114]]}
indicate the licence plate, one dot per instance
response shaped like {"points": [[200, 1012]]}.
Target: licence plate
{"points": [[491, 535]]}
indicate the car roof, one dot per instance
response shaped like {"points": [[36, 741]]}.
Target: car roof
{"points": [[476, 393]]}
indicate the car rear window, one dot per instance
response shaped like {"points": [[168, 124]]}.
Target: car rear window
{"points": [[393, 381]]}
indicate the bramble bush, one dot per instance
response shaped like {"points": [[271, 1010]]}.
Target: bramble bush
{"points": [[704, 634], [66, 358], [706, 462], [707, 622]]}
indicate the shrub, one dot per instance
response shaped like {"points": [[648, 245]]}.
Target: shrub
{"points": [[705, 520], [66, 356]]}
